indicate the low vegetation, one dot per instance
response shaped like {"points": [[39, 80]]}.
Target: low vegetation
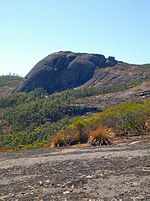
{"points": [[30, 120], [101, 136], [9, 80], [124, 120]]}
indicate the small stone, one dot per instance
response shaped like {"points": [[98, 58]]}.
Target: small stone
{"points": [[66, 192], [48, 181], [41, 183], [134, 184], [89, 176]]}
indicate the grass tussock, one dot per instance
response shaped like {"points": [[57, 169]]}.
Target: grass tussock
{"points": [[4, 149], [66, 139], [101, 136]]}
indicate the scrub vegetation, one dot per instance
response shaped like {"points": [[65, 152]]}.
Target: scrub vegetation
{"points": [[37, 119]]}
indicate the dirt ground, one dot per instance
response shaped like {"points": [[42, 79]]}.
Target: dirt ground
{"points": [[116, 173]]}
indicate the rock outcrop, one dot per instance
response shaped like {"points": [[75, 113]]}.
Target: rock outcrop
{"points": [[63, 70]]}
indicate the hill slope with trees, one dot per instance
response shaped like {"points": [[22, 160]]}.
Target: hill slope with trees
{"points": [[119, 95]]}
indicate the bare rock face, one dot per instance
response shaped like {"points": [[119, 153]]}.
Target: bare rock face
{"points": [[63, 70]]}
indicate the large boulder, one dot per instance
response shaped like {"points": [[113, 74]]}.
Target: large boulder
{"points": [[63, 70]]}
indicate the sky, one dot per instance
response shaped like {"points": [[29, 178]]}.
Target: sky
{"points": [[33, 29]]}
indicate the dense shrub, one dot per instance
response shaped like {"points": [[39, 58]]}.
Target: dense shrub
{"points": [[128, 118]]}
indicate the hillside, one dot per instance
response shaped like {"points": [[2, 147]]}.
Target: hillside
{"points": [[133, 92], [32, 119], [8, 83], [119, 75]]}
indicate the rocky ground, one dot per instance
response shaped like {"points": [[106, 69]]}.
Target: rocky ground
{"points": [[118, 172]]}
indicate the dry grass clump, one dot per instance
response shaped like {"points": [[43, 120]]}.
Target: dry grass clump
{"points": [[66, 139], [57, 140], [4, 149], [147, 126], [101, 136]]}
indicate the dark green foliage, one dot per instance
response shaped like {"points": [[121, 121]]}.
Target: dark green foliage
{"points": [[27, 118], [37, 135], [13, 100]]}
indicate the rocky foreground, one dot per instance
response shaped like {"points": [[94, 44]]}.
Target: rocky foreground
{"points": [[118, 172]]}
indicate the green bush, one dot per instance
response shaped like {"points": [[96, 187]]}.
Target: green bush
{"points": [[128, 118], [124, 119]]}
